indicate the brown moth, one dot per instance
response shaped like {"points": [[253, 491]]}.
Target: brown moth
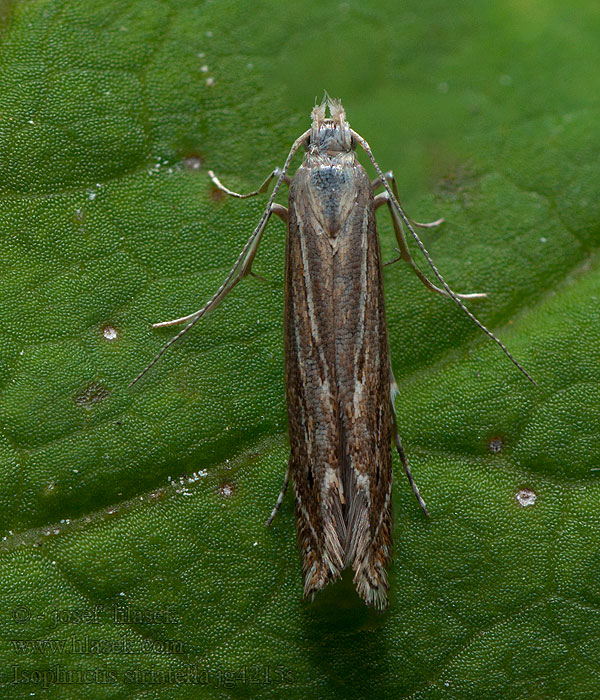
{"points": [[340, 385]]}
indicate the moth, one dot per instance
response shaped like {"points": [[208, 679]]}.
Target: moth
{"points": [[339, 379]]}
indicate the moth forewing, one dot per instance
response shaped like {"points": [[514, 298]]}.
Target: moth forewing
{"points": [[340, 386], [338, 372]]}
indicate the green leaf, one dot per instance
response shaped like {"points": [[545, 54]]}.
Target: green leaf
{"points": [[134, 559]]}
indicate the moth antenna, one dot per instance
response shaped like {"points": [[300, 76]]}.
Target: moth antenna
{"points": [[367, 149], [295, 146]]}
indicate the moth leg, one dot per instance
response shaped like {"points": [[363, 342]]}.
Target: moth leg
{"points": [[282, 213], [389, 176], [277, 172], [404, 253], [277, 209], [242, 268], [405, 464], [281, 496]]}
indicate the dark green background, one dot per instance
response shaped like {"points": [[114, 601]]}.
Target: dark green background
{"points": [[488, 114]]}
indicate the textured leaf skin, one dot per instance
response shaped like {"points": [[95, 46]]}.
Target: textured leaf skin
{"points": [[110, 114]]}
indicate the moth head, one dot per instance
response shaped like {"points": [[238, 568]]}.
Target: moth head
{"points": [[330, 134]]}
